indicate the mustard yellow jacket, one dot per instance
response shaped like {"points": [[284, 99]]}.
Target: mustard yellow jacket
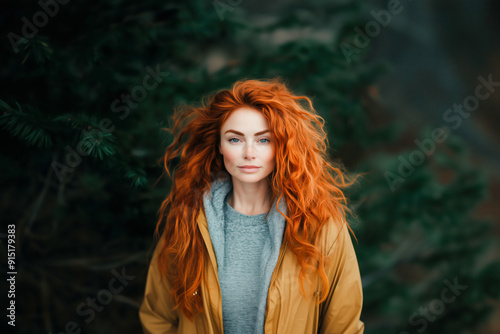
{"points": [[287, 311]]}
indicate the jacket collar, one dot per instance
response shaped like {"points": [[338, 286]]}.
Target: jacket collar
{"points": [[212, 223], [203, 226]]}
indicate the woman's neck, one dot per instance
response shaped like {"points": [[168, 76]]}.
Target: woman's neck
{"points": [[250, 198]]}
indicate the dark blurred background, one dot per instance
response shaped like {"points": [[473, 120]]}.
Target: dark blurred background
{"points": [[410, 91]]}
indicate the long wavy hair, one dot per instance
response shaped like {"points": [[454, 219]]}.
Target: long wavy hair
{"points": [[304, 175]]}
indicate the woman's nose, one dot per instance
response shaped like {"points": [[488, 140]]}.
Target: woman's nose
{"points": [[249, 151]]}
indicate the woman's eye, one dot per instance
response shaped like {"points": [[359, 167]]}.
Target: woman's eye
{"points": [[235, 139]]}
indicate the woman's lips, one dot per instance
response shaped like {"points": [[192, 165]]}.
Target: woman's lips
{"points": [[248, 169]]}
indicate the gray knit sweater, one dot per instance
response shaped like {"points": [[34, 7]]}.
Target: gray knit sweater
{"points": [[247, 250]]}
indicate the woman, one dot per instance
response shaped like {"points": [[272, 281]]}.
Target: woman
{"points": [[255, 212]]}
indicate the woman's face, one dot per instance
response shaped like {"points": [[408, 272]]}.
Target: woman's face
{"points": [[246, 141]]}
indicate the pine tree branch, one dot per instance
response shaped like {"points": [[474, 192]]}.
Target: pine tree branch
{"points": [[370, 278], [98, 264]]}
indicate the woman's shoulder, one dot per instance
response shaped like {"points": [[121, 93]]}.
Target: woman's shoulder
{"points": [[333, 232]]}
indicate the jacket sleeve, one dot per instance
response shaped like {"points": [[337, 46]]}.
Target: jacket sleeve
{"points": [[156, 312], [341, 311]]}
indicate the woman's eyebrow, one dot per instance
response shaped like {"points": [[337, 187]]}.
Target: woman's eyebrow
{"points": [[241, 134]]}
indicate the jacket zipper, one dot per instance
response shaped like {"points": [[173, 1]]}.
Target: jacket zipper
{"points": [[316, 306], [221, 323], [282, 255]]}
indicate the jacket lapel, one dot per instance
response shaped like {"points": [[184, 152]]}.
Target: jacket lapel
{"points": [[212, 297]]}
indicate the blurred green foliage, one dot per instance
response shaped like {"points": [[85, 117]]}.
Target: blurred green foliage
{"points": [[79, 216]]}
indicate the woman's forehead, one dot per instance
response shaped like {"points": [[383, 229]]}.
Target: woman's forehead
{"points": [[246, 120]]}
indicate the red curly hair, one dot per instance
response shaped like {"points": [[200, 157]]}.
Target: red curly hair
{"points": [[304, 175]]}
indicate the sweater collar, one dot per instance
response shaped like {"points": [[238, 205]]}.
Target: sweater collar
{"points": [[214, 200]]}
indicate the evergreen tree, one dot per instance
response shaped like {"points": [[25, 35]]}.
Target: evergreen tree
{"points": [[88, 88]]}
